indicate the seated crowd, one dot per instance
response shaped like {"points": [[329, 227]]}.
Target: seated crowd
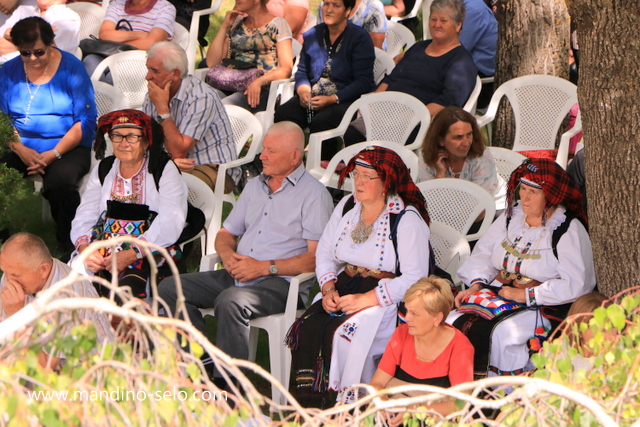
{"points": [[370, 253]]}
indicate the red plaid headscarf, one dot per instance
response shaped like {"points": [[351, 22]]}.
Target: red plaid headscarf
{"points": [[397, 180], [557, 185], [121, 119]]}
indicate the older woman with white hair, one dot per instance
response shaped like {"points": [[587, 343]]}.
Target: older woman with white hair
{"points": [[439, 72]]}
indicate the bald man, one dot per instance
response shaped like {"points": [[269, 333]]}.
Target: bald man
{"points": [[270, 236], [29, 269]]}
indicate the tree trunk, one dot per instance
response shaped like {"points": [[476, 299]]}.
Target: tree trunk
{"points": [[533, 38], [608, 93]]}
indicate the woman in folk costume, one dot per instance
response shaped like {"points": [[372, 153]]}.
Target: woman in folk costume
{"points": [[526, 270], [375, 246], [125, 197]]}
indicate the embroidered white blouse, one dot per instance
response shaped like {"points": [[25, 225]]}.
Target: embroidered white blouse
{"points": [[170, 202], [337, 248], [563, 279]]}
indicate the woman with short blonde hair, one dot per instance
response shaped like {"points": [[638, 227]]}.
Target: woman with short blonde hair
{"points": [[434, 293], [426, 350]]}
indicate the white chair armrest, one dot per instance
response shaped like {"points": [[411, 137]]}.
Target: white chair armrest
{"points": [[316, 139], [492, 110], [485, 120], [201, 73], [208, 262], [209, 10], [563, 150], [292, 297]]}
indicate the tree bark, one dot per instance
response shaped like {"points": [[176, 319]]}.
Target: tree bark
{"points": [[533, 38], [608, 94]]}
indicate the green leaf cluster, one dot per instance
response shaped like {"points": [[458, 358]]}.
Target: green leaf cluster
{"points": [[599, 358], [13, 188], [97, 392]]}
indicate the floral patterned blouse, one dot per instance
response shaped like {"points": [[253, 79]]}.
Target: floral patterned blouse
{"points": [[481, 170], [258, 45]]}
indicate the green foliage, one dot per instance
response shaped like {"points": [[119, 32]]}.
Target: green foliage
{"points": [[94, 386], [599, 358], [6, 132], [12, 187]]}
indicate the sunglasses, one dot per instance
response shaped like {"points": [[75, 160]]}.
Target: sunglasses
{"points": [[37, 53]]}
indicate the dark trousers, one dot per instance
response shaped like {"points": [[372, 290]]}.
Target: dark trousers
{"points": [[234, 305], [60, 187], [328, 118]]}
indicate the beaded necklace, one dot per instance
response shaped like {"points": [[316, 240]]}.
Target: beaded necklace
{"points": [[361, 232], [35, 92]]}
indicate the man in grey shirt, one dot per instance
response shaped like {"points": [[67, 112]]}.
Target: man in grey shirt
{"points": [[197, 131], [278, 220]]}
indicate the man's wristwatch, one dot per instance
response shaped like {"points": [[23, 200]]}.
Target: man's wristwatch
{"points": [[273, 268], [162, 117]]}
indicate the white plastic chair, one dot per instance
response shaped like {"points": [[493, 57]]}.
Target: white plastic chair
{"points": [[181, 36], [540, 104], [108, 98], [245, 126], [382, 65], [201, 197], [399, 37], [278, 94], [128, 70], [426, 13], [506, 161], [330, 179], [276, 326], [388, 116], [450, 248], [193, 46], [91, 18], [472, 102], [412, 13], [458, 203]]}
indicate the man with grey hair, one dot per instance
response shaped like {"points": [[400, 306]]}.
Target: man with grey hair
{"points": [[269, 236], [197, 130], [28, 269]]}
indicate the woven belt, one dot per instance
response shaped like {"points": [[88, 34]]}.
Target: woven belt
{"points": [[516, 279], [352, 270]]}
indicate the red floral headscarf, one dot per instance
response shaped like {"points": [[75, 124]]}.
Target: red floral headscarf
{"points": [[557, 185], [122, 119], [397, 180]]}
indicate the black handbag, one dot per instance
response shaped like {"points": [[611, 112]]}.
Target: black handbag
{"points": [[104, 48]]}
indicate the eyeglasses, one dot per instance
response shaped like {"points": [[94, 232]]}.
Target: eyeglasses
{"points": [[362, 177], [37, 53], [131, 138]]}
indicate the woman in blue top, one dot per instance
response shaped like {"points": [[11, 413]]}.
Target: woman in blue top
{"points": [[335, 69], [48, 95]]}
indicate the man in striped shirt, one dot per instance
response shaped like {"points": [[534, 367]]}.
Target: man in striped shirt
{"points": [[197, 130]]}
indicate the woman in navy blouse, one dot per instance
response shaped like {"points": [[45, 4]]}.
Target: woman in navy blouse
{"points": [[335, 69]]}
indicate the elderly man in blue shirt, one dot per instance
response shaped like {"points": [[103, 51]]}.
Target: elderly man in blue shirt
{"points": [[270, 236]]}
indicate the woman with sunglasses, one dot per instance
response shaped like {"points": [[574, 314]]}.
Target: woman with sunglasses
{"points": [[47, 94], [124, 197]]}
